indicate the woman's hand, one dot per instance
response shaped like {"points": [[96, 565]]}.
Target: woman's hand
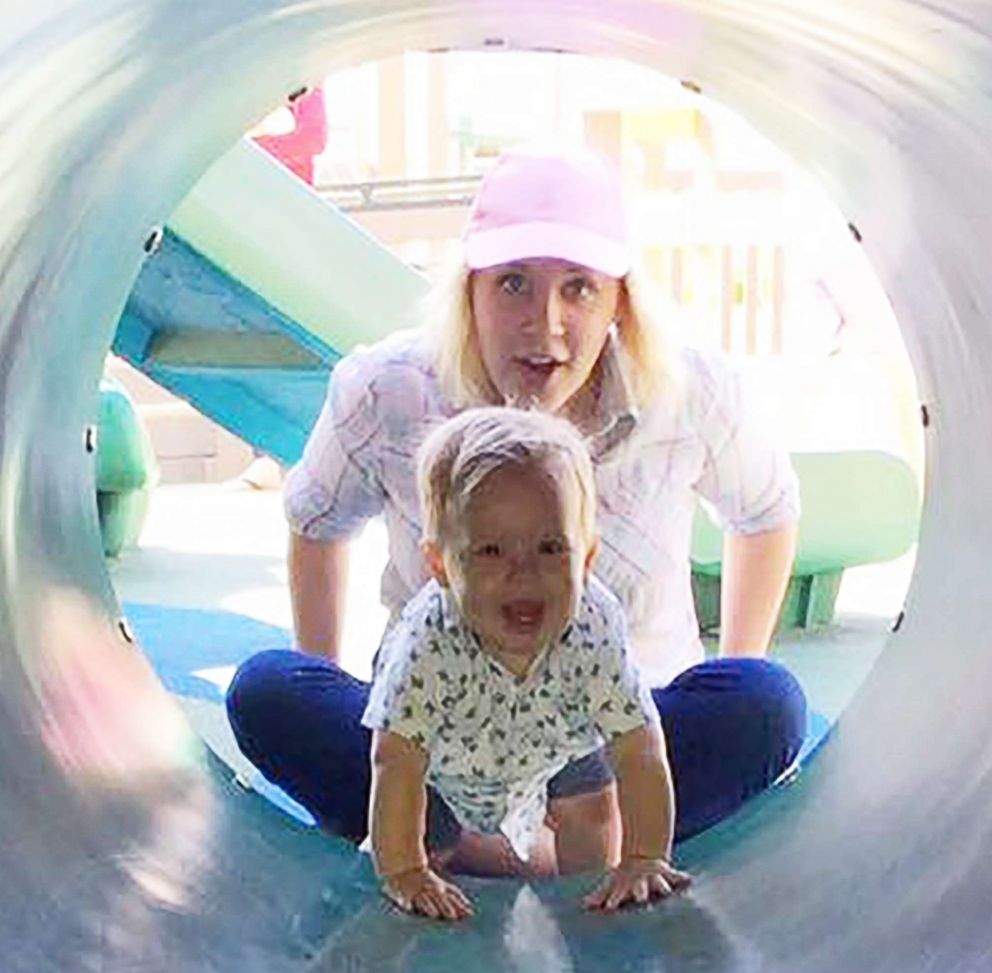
{"points": [[637, 880], [423, 892]]}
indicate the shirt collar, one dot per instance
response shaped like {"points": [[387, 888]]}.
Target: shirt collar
{"points": [[453, 625], [608, 410], [450, 617]]}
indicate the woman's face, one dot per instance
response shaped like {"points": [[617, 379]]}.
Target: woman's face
{"points": [[541, 325]]}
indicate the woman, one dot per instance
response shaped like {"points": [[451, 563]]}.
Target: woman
{"points": [[545, 311]]}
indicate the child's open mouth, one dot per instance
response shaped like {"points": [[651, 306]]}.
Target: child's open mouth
{"points": [[523, 614]]}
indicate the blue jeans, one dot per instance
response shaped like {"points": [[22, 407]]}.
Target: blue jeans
{"points": [[732, 726]]}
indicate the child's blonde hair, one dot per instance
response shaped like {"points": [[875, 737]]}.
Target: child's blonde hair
{"points": [[459, 454], [447, 309]]}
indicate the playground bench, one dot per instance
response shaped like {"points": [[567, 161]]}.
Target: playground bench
{"points": [[858, 507], [126, 469]]}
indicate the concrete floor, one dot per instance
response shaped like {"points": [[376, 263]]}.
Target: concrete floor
{"points": [[222, 546]]}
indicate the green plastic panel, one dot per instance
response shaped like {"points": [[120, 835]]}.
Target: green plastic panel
{"points": [[270, 231], [122, 515], [125, 459], [858, 507], [809, 601]]}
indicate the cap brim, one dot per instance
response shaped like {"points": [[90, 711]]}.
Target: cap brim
{"points": [[523, 241]]}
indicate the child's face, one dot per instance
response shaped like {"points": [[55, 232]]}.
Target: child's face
{"points": [[517, 568]]}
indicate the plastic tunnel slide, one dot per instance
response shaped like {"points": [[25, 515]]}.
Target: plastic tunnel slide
{"points": [[250, 294], [124, 846]]}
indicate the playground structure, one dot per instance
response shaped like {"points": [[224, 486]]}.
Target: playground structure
{"points": [[858, 507], [126, 468], [126, 847], [296, 148]]}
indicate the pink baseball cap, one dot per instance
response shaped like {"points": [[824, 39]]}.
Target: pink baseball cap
{"points": [[538, 202]]}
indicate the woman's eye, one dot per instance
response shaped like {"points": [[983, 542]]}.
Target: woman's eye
{"points": [[554, 545], [487, 550], [512, 283], [581, 289]]}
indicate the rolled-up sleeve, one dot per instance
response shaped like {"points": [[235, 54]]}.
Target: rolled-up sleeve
{"points": [[336, 487], [747, 477]]}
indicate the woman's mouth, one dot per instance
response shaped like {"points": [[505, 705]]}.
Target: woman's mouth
{"points": [[540, 366]]}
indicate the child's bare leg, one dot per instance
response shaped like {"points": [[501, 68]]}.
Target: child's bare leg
{"points": [[587, 830], [491, 855], [583, 834], [440, 861]]}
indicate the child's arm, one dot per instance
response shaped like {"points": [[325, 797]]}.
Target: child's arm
{"points": [[647, 814], [397, 821]]}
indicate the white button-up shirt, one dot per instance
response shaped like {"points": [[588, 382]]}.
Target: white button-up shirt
{"points": [[651, 467], [495, 739]]}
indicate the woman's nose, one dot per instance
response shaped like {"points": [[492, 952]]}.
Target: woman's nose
{"points": [[547, 313]]}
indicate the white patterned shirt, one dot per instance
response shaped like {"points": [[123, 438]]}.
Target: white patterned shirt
{"points": [[495, 739], [650, 469]]}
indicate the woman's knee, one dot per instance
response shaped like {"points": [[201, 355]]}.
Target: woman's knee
{"points": [[282, 694], [778, 698], [732, 725], [297, 718], [758, 692], [260, 683]]}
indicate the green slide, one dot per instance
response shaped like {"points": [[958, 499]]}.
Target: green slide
{"points": [[252, 292]]}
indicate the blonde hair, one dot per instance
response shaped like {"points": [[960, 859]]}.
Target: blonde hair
{"points": [[447, 309], [458, 455]]}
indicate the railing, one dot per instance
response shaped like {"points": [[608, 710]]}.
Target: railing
{"points": [[393, 194], [749, 278]]}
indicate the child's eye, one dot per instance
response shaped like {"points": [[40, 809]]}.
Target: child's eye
{"points": [[512, 283], [553, 545], [487, 550]]}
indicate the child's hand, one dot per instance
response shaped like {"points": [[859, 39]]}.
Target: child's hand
{"points": [[423, 892], [637, 880]]}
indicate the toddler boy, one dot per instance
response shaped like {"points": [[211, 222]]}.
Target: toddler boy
{"points": [[505, 678]]}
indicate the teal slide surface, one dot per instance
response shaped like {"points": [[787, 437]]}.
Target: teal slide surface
{"points": [[252, 292]]}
